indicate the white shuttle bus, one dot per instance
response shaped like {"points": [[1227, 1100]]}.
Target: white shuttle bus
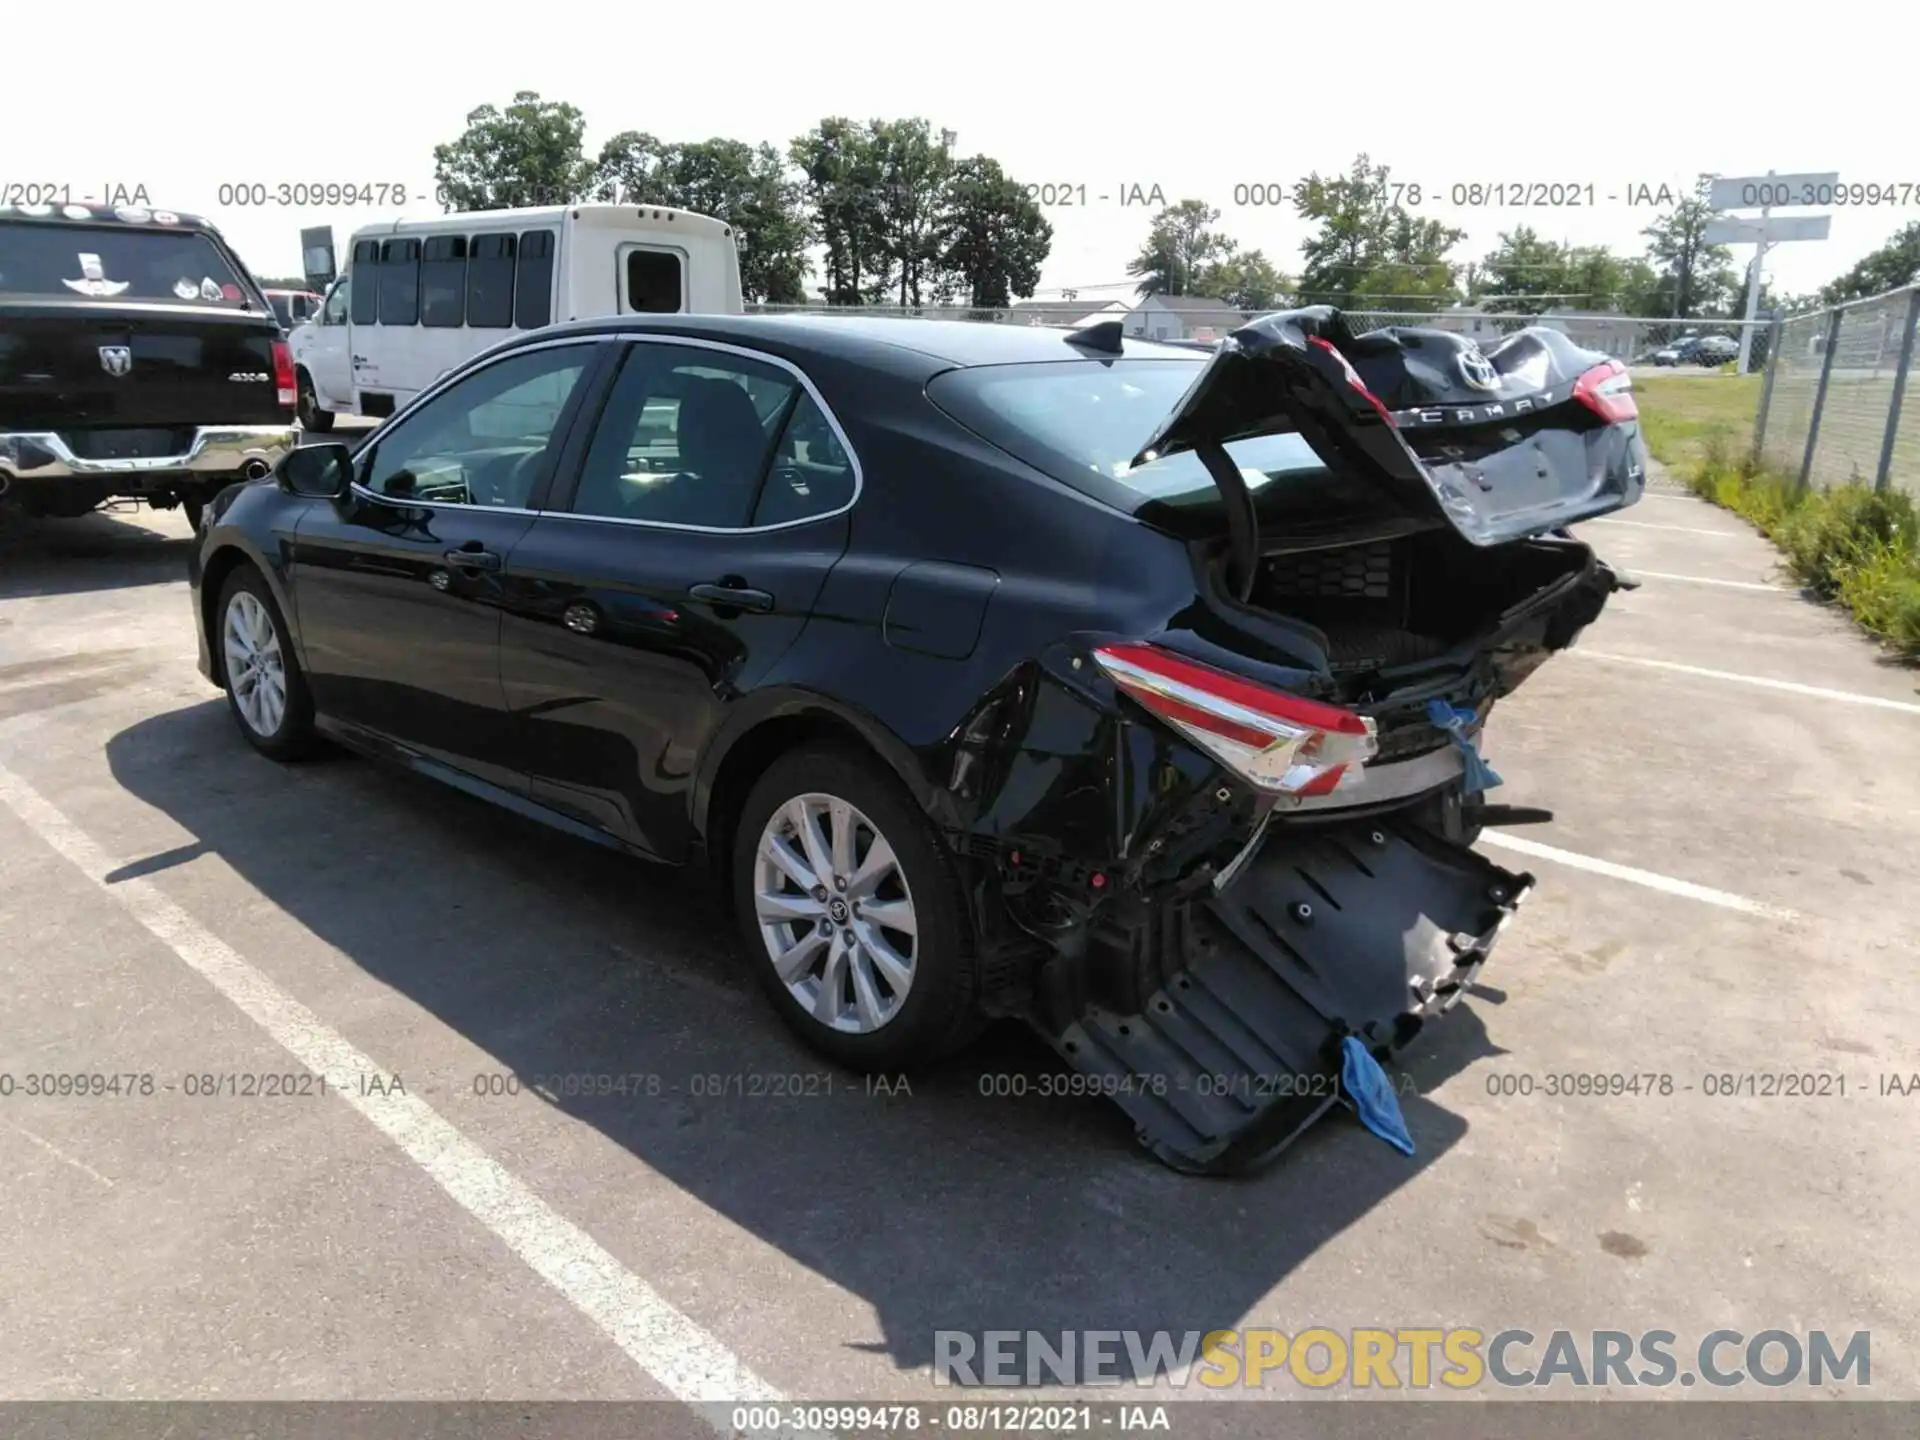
{"points": [[418, 297]]}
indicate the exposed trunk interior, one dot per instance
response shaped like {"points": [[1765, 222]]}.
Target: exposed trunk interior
{"points": [[1389, 604]]}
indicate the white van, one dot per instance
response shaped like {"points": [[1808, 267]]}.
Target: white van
{"points": [[418, 297]]}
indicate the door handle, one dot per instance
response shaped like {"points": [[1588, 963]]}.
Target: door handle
{"points": [[473, 559], [733, 597]]}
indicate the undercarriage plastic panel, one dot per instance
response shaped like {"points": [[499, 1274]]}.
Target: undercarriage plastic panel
{"points": [[1364, 929]]}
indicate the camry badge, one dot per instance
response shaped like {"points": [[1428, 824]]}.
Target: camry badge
{"points": [[116, 359]]}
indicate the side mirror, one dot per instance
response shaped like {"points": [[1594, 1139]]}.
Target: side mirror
{"points": [[324, 472]]}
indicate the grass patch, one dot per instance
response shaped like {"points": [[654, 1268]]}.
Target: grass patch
{"points": [[1851, 543], [1686, 415]]}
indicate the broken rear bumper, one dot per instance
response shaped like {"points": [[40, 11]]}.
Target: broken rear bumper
{"points": [[1362, 929]]}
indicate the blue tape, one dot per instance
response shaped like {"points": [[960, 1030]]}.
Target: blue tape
{"points": [[1370, 1089], [1477, 775]]}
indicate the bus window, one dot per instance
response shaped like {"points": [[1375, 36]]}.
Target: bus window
{"points": [[490, 282], [400, 282], [366, 294], [443, 281], [533, 289]]}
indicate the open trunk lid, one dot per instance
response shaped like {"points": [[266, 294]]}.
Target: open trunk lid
{"points": [[1532, 436]]}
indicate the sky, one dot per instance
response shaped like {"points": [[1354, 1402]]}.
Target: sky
{"points": [[1615, 96]]}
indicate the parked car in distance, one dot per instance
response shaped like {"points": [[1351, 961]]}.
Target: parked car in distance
{"points": [[138, 360], [419, 297], [1705, 350], [1127, 688]]}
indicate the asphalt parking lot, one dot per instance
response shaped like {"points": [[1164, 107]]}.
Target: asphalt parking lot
{"points": [[1731, 888]]}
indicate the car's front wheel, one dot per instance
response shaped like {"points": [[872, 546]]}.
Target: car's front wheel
{"points": [[852, 914], [265, 688]]}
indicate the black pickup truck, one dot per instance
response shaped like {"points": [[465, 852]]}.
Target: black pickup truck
{"points": [[138, 360]]}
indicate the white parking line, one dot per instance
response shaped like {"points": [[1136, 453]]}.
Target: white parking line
{"points": [[1666, 884], [691, 1364], [1676, 529], [1792, 687], [1703, 580]]}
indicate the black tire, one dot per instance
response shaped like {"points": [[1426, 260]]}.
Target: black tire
{"points": [[938, 1013], [193, 509], [294, 737], [312, 417]]}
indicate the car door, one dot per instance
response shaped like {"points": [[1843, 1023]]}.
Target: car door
{"points": [[678, 562], [325, 350], [397, 587]]}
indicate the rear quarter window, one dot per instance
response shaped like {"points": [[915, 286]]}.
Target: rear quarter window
{"points": [[1084, 421], [118, 265]]}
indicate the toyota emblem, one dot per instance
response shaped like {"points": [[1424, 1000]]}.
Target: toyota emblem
{"points": [[1477, 370]]}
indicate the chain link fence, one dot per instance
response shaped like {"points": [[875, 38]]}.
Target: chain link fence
{"points": [[1832, 408]]}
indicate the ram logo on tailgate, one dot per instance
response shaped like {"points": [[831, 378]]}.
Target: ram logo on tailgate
{"points": [[116, 359]]}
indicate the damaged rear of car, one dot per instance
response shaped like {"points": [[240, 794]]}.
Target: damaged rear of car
{"points": [[1274, 859]]}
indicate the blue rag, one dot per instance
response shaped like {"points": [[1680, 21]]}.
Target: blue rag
{"points": [[1477, 775], [1371, 1091]]}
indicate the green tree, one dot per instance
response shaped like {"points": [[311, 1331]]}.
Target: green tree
{"points": [[1368, 247], [915, 166], [841, 182], [752, 190], [1245, 279], [996, 239], [1894, 264], [1519, 272], [630, 170], [527, 154], [1181, 244], [1694, 278]]}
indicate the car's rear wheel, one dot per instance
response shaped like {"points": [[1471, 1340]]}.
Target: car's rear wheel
{"points": [[850, 909], [265, 688], [307, 407]]}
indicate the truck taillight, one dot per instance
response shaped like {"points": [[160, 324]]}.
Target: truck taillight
{"points": [[283, 374], [1276, 741], [1607, 390]]}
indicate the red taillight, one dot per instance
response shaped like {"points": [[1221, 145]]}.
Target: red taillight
{"points": [[1353, 377], [1274, 740], [1607, 390], [283, 373]]}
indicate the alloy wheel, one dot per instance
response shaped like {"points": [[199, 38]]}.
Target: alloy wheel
{"points": [[256, 669], [835, 913]]}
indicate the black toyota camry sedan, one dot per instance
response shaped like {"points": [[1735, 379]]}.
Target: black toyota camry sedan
{"points": [[1130, 689]]}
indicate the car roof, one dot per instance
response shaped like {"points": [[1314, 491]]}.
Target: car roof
{"points": [[891, 342]]}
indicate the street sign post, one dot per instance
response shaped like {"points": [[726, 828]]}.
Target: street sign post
{"points": [[1766, 193], [1740, 231]]}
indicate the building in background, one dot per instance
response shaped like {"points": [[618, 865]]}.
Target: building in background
{"points": [[1183, 317]]}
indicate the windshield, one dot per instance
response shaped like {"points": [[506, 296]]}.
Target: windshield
{"points": [[1083, 421], [117, 265]]}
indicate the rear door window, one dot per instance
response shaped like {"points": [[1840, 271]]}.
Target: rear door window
{"points": [[118, 265], [656, 283]]}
